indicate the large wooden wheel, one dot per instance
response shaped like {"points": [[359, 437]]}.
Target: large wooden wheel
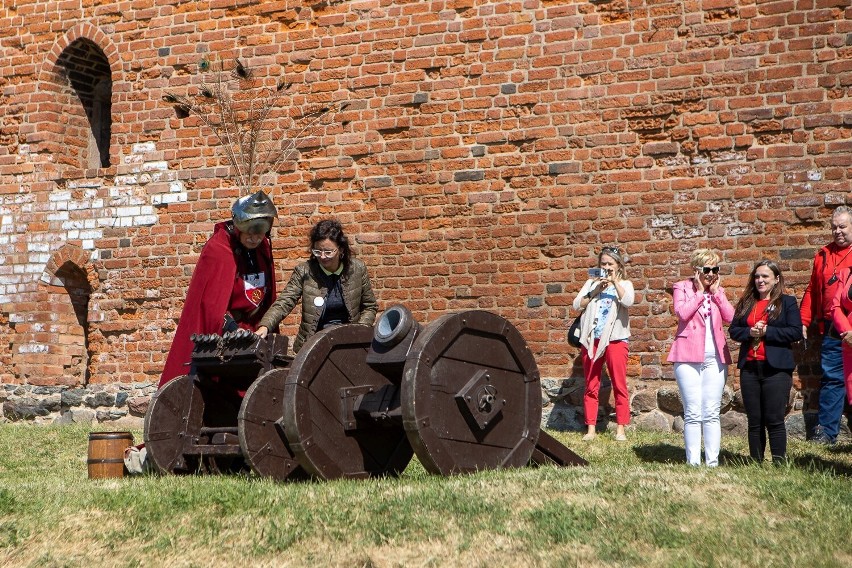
{"points": [[261, 429], [326, 381], [471, 398], [173, 420]]}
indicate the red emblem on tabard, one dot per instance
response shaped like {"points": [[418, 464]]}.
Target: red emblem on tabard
{"points": [[255, 295]]}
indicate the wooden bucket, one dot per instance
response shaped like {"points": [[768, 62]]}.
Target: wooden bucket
{"points": [[106, 453]]}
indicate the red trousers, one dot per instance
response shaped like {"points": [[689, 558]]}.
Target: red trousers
{"points": [[615, 357]]}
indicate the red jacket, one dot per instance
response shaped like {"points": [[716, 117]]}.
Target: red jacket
{"points": [[829, 261]]}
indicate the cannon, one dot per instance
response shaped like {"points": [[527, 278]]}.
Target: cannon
{"points": [[224, 415], [462, 393]]}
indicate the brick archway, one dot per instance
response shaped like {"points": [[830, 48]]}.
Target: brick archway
{"points": [[53, 347], [75, 96]]}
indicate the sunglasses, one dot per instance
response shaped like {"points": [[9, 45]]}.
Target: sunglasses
{"points": [[709, 269], [610, 249]]}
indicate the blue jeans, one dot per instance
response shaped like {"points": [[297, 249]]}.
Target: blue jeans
{"points": [[832, 390]]}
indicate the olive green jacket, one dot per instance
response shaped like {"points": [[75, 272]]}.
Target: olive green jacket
{"points": [[307, 283]]}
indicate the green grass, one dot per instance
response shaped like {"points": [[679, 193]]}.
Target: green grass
{"points": [[637, 504]]}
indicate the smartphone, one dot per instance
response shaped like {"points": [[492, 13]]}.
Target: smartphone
{"points": [[598, 272]]}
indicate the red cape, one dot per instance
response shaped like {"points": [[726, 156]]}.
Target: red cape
{"points": [[208, 295]]}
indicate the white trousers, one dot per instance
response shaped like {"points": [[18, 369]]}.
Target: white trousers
{"points": [[701, 386]]}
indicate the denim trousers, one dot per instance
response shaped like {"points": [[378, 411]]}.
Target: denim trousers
{"points": [[766, 392], [832, 389], [701, 386]]}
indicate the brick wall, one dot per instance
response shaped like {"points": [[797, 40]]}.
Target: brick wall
{"points": [[490, 148]]}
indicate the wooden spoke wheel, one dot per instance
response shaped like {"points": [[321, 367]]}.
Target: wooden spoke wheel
{"points": [[326, 379], [471, 398], [261, 429], [173, 420]]}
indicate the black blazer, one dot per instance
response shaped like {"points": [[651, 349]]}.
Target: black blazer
{"points": [[780, 333]]}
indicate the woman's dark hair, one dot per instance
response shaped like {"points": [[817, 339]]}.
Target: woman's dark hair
{"points": [[331, 229], [750, 294]]}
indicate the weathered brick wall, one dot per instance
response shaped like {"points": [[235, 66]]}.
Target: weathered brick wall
{"points": [[489, 150]]}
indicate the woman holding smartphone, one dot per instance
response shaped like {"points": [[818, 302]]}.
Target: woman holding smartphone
{"points": [[700, 355], [766, 322], [604, 332]]}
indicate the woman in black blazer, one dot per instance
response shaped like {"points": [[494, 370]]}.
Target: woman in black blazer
{"points": [[766, 322]]}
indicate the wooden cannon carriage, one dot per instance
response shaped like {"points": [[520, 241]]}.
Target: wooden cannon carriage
{"points": [[462, 393]]}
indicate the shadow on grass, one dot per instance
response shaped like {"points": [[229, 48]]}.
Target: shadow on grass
{"points": [[669, 453], [820, 464]]}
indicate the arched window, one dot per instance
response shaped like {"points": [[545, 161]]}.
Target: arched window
{"points": [[88, 73]]}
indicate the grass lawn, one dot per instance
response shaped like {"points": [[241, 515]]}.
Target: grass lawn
{"points": [[637, 504]]}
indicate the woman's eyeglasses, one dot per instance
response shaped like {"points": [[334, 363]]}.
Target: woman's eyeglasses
{"points": [[324, 253], [709, 269], [610, 249]]}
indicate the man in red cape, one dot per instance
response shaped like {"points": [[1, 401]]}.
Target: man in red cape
{"points": [[234, 279]]}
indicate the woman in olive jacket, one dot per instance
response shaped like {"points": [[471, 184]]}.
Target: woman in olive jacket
{"points": [[333, 286]]}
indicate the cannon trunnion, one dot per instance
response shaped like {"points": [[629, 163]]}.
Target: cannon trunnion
{"points": [[462, 393]]}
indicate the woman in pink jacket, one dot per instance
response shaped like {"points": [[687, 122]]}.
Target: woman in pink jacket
{"points": [[700, 355]]}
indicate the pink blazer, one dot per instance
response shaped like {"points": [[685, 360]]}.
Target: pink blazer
{"points": [[688, 346]]}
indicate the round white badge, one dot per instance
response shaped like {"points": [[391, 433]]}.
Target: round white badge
{"points": [[318, 301]]}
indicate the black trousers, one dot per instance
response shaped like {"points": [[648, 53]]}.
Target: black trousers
{"points": [[766, 392]]}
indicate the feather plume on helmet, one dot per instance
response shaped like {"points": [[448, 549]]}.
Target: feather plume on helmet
{"points": [[236, 108]]}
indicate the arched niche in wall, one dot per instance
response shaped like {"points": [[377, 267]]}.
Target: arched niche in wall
{"points": [[71, 308], [67, 285], [71, 124], [87, 73]]}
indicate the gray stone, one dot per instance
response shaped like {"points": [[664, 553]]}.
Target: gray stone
{"points": [[734, 422], [654, 420], [121, 398], [644, 400], [110, 415], [796, 427], [47, 390], [52, 403], [727, 398], [23, 409], [668, 399], [737, 403], [101, 398], [677, 424], [572, 391], [564, 418], [73, 397], [76, 416]]}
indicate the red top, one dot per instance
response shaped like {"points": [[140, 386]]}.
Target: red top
{"points": [[758, 313], [222, 282], [829, 262]]}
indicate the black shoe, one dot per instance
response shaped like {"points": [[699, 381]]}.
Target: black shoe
{"points": [[820, 437]]}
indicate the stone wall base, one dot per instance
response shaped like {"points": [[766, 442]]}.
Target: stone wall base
{"points": [[660, 408], [120, 405], [652, 408]]}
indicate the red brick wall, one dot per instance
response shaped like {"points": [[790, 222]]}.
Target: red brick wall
{"points": [[490, 149]]}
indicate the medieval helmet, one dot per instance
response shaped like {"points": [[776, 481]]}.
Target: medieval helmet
{"points": [[254, 213]]}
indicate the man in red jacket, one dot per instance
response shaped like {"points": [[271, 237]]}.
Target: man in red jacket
{"points": [[829, 262]]}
